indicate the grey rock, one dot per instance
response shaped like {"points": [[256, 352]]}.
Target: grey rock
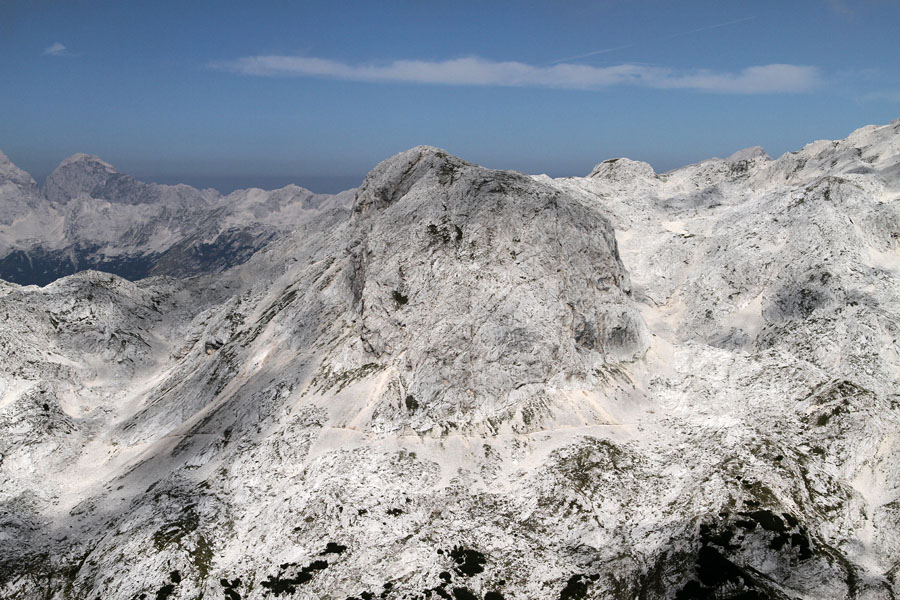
{"points": [[477, 382]]}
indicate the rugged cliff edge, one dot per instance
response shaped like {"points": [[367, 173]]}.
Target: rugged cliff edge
{"points": [[481, 384]]}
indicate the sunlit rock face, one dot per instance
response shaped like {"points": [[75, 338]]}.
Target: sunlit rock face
{"points": [[483, 289], [464, 383]]}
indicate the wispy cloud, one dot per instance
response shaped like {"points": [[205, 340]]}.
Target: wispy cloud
{"points": [[592, 53], [475, 71], [708, 28], [660, 39], [56, 49]]}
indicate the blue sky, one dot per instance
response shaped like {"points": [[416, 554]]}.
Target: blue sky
{"points": [[236, 94]]}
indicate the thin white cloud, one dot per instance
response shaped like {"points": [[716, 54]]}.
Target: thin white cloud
{"points": [[661, 39], [56, 49], [589, 54], [708, 28], [763, 79]]}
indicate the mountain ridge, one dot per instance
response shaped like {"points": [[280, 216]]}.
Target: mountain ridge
{"points": [[476, 383], [89, 215]]}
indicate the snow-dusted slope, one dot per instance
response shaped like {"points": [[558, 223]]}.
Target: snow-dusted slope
{"points": [[90, 216], [480, 384]]}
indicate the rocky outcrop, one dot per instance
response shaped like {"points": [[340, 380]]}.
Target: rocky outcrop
{"points": [[622, 170], [481, 288]]}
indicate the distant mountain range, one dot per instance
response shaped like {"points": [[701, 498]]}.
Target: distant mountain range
{"points": [[90, 216]]}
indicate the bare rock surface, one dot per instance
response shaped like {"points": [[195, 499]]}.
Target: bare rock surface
{"points": [[481, 384]]}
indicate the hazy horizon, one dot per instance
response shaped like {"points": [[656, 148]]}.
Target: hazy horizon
{"points": [[226, 184], [321, 184], [323, 91]]}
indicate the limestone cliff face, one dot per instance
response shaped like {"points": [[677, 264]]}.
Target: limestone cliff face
{"points": [[475, 383], [482, 288]]}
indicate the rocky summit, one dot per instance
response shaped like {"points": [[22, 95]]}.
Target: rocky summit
{"points": [[457, 383]]}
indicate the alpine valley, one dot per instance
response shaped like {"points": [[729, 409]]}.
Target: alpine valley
{"points": [[456, 382]]}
